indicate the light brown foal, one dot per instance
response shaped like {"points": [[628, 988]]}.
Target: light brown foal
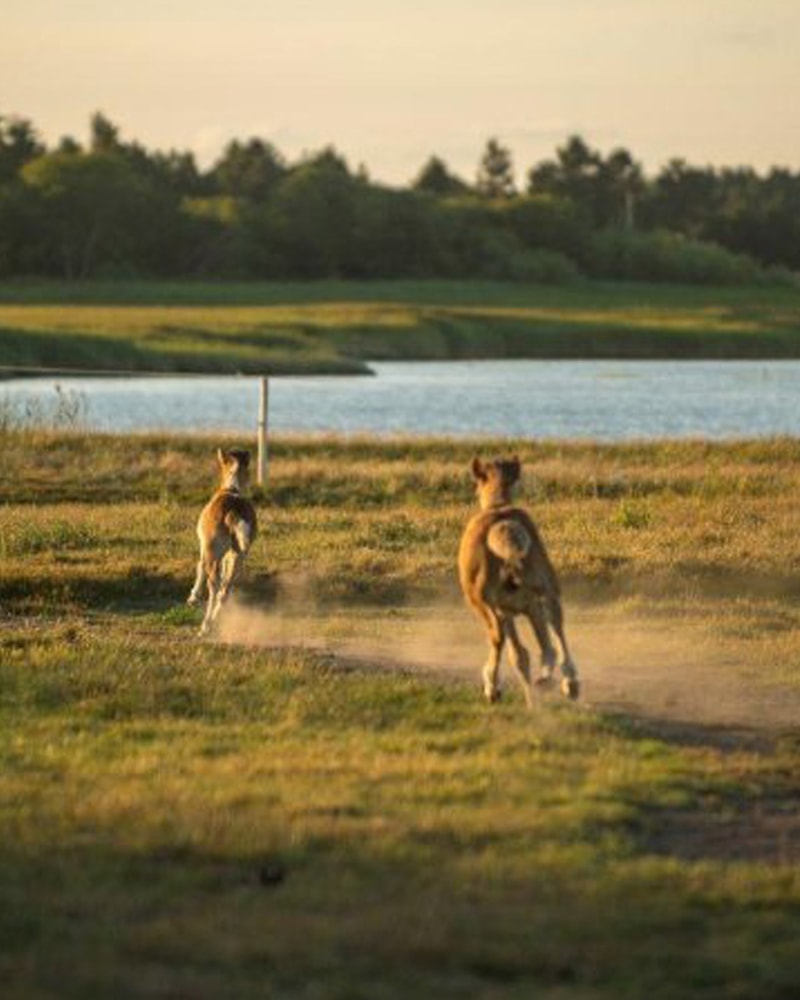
{"points": [[226, 529], [504, 571]]}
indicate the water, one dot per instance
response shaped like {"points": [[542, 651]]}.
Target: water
{"points": [[603, 400]]}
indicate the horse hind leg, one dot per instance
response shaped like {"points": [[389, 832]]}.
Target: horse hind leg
{"points": [[570, 684], [537, 616], [230, 573], [520, 660]]}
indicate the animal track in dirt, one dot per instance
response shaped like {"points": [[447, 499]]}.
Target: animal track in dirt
{"points": [[677, 679], [675, 673]]}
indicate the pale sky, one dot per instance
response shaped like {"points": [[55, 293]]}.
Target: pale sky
{"points": [[389, 83]]}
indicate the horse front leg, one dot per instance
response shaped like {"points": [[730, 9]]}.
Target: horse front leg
{"points": [[200, 578], [495, 631], [212, 571]]}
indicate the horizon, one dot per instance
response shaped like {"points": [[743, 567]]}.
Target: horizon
{"points": [[390, 88]]}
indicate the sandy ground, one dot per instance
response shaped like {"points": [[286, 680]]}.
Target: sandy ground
{"points": [[653, 668]]}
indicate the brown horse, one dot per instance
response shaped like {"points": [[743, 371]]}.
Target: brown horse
{"points": [[226, 529], [505, 571]]}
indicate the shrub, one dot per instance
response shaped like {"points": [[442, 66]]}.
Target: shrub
{"points": [[499, 256], [665, 256], [543, 222]]}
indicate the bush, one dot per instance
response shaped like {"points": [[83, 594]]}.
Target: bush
{"points": [[543, 222], [665, 256], [499, 256], [545, 267], [474, 240]]}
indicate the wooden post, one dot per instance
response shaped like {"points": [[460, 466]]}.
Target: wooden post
{"points": [[263, 407]]}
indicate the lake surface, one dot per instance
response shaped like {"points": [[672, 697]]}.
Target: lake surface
{"points": [[603, 400]]}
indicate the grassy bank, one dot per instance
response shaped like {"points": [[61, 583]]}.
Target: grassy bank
{"points": [[334, 326], [181, 818]]}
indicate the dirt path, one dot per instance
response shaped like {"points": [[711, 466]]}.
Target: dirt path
{"points": [[671, 672]]}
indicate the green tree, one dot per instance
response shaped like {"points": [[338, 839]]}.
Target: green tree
{"points": [[620, 184], [21, 252], [573, 174], [435, 178], [684, 198], [19, 144], [178, 171], [68, 144], [607, 189], [394, 234], [307, 228], [104, 134], [249, 170], [95, 211], [496, 171], [215, 233]]}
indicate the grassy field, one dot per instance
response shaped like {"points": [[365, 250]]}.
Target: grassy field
{"points": [[195, 819], [336, 327]]}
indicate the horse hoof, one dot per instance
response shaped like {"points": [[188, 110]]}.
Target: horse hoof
{"points": [[544, 682], [570, 688], [192, 600], [493, 696]]}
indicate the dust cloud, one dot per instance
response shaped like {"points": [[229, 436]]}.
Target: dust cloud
{"points": [[646, 664]]}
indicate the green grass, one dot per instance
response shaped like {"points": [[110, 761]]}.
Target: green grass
{"points": [[337, 326], [151, 792], [180, 818]]}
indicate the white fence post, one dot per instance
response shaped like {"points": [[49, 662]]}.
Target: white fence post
{"points": [[263, 407]]}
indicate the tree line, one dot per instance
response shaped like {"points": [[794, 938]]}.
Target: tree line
{"points": [[113, 208]]}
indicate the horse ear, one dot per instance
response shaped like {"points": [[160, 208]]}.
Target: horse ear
{"points": [[478, 471], [221, 457], [245, 458], [516, 467]]}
